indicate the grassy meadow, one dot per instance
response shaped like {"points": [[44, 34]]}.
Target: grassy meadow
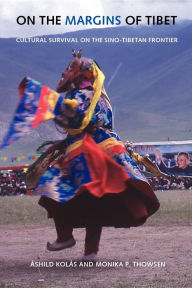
{"points": [[176, 208]]}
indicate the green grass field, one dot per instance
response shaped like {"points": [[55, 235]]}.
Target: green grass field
{"points": [[176, 207], [21, 210]]}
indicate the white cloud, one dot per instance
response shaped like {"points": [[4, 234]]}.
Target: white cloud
{"points": [[11, 9]]}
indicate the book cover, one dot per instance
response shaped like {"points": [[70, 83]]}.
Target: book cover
{"points": [[144, 50]]}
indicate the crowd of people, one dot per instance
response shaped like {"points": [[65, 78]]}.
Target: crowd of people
{"points": [[171, 183], [12, 183]]}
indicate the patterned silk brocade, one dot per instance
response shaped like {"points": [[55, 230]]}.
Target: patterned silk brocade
{"points": [[98, 166], [95, 160], [92, 174], [92, 179]]}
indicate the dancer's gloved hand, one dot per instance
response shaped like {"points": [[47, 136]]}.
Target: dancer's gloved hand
{"points": [[32, 178]]}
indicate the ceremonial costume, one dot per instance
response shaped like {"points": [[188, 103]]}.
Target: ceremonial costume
{"points": [[93, 181], [88, 179]]}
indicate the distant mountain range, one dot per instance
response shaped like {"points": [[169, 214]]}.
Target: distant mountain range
{"points": [[149, 84]]}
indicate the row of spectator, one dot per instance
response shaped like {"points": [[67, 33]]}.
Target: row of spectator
{"points": [[171, 183], [13, 183]]}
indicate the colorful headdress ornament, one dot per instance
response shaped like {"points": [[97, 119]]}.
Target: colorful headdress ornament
{"points": [[97, 88], [78, 54]]}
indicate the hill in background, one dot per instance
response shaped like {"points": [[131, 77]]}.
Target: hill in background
{"points": [[149, 84]]}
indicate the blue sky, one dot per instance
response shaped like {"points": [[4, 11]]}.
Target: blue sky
{"points": [[11, 9]]}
